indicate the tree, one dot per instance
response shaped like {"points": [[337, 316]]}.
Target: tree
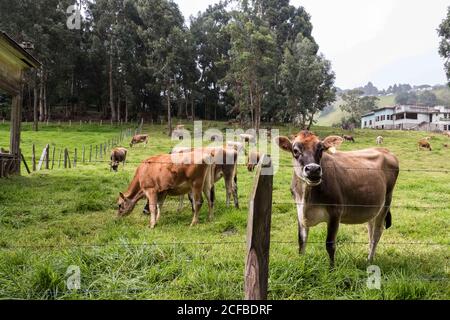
{"points": [[444, 47], [252, 64], [357, 105], [307, 80]]}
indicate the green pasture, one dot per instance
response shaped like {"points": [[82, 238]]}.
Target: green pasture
{"points": [[51, 220]]}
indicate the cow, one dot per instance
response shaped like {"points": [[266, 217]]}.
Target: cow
{"points": [[340, 187], [447, 134], [139, 138], [247, 138], [118, 155], [348, 138], [380, 140], [252, 160], [238, 146], [170, 175], [225, 166], [424, 144]]}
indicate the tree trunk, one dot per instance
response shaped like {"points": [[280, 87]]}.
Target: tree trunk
{"points": [[41, 102], [169, 112], [126, 108], [118, 107], [46, 111], [192, 108], [111, 92], [35, 109]]}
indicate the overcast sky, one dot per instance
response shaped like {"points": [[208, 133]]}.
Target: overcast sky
{"points": [[383, 41]]}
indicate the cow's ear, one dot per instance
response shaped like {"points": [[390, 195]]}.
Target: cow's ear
{"points": [[331, 143], [284, 143]]}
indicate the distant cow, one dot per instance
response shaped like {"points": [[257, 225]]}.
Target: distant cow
{"points": [[139, 138], [253, 160], [380, 140], [447, 134], [238, 146], [118, 155], [424, 144], [348, 138]]}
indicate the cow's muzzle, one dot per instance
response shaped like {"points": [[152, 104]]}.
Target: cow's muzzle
{"points": [[312, 174]]}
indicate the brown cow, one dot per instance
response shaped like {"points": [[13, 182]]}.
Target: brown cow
{"points": [[348, 138], [225, 166], [253, 160], [170, 175], [139, 138], [118, 155], [424, 144], [447, 134], [341, 187]]}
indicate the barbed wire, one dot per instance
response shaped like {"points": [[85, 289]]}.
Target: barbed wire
{"points": [[207, 243]]}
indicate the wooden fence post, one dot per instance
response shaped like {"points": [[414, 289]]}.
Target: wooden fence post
{"points": [[41, 160], [83, 155], [96, 152], [47, 157], [258, 232], [90, 153], [24, 162], [75, 158], [101, 151], [33, 157], [53, 157], [59, 161], [65, 158]]}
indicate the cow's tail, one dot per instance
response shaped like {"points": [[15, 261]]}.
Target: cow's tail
{"points": [[388, 220]]}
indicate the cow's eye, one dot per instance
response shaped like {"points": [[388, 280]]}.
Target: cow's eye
{"points": [[297, 153]]}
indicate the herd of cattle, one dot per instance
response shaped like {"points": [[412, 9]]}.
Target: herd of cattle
{"points": [[327, 186]]}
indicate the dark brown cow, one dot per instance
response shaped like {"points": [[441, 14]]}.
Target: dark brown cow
{"points": [[118, 155], [340, 187], [348, 138], [424, 144], [170, 175], [139, 138]]}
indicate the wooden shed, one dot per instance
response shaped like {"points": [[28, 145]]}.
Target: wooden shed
{"points": [[14, 60]]}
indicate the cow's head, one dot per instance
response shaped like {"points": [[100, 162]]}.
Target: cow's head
{"points": [[307, 150], [125, 205], [114, 165]]}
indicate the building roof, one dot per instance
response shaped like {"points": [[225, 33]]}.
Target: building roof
{"points": [[14, 49]]}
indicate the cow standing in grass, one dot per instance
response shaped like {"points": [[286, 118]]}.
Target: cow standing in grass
{"points": [[348, 138], [118, 155], [170, 175], [380, 140], [139, 138], [340, 187], [424, 144]]}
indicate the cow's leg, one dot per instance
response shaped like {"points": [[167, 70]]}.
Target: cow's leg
{"points": [[146, 210], [332, 230], [235, 192], [229, 188], [161, 199], [210, 194], [302, 238], [197, 197], [153, 204], [378, 227]]}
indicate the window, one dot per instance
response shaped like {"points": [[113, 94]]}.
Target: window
{"points": [[370, 122], [365, 123], [412, 116], [446, 127], [400, 116]]}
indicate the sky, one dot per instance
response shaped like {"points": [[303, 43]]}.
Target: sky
{"points": [[383, 41]]}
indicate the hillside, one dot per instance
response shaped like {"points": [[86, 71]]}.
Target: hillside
{"points": [[328, 118]]}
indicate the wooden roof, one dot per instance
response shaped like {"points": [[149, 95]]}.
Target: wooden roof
{"points": [[13, 60]]}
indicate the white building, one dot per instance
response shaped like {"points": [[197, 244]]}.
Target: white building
{"points": [[408, 118]]}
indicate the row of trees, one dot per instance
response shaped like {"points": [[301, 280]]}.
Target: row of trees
{"points": [[444, 46], [137, 58]]}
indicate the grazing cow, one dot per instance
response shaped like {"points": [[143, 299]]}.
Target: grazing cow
{"points": [[340, 187], [423, 144], [380, 140], [118, 155], [253, 160], [348, 138], [170, 175], [139, 138], [447, 134], [225, 166]]}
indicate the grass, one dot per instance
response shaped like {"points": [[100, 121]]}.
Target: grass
{"points": [[51, 220]]}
